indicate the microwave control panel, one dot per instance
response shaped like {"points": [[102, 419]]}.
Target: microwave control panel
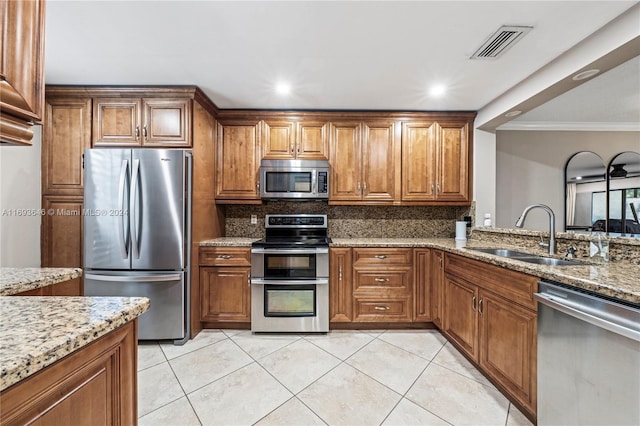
{"points": [[323, 185]]}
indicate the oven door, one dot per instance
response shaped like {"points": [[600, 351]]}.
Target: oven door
{"points": [[290, 264], [290, 306]]}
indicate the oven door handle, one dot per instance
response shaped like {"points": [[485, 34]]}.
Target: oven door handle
{"points": [[260, 281], [315, 250]]}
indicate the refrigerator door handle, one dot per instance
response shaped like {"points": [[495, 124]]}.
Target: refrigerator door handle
{"points": [[134, 278], [123, 239], [132, 207]]}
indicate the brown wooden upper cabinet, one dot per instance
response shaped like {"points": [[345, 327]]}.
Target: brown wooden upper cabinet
{"points": [[238, 160], [365, 160], [283, 139], [161, 122], [66, 134], [435, 161], [21, 69]]}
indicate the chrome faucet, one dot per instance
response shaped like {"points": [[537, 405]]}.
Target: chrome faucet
{"points": [[552, 224]]}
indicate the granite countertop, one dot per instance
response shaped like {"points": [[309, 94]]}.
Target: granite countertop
{"points": [[17, 280], [37, 331], [228, 242], [616, 279]]}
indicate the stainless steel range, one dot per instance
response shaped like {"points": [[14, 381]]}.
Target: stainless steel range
{"points": [[290, 275]]}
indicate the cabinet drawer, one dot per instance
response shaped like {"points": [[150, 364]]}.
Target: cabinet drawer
{"points": [[382, 309], [514, 286], [382, 280], [225, 256], [381, 256]]}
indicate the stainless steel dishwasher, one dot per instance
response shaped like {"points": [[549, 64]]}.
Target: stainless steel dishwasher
{"points": [[588, 358]]}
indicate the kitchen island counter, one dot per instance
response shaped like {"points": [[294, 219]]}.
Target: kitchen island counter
{"points": [[37, 331], [620, 279], [19, 280]]}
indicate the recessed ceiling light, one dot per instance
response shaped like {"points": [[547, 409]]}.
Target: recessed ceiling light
{"points": [[513, 113], [585, 74], [578, 178], [437, 90], [283, 88]]}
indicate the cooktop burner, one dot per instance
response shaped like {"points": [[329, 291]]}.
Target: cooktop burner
{"points": [[295, 230]]}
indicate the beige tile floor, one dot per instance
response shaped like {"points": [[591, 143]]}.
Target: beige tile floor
{"points": [[232, 377]]}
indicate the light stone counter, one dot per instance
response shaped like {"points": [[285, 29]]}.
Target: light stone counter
{"points": [[616, 279], [228, 242], [17, 280], [36, 331]]}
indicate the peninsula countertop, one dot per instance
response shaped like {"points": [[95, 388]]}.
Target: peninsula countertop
{"points": [[616, 279], [18, 280], [37, 331]]}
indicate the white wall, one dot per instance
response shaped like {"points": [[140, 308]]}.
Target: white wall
{"points": [[484, 174], [530, 169], [20, 189]]}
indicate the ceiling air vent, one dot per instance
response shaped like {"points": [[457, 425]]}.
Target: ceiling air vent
{"points": [[500, 42]]}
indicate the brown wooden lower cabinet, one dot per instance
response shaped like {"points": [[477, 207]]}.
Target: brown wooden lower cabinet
{"points": [[437, 287], [225, 291], [61, 239], [96, 385], [490, 328], [340, 285]]}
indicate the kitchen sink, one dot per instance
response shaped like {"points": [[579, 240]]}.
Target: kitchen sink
{"points": [[527, 257], [502, 252], [551, 261]]}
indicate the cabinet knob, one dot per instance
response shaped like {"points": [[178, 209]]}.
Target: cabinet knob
{"points": [[380, 256], [381, 308], [292, 149]]}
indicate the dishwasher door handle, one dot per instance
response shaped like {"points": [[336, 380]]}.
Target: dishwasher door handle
{"points": [[604, 323]]}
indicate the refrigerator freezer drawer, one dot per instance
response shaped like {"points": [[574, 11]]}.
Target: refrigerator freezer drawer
{"points": [[166, 317]]}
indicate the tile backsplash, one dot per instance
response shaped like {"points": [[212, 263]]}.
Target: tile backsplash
{"points": [[354, 221]]}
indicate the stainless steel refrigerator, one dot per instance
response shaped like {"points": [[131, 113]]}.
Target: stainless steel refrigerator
{"points": [[137, 221]]}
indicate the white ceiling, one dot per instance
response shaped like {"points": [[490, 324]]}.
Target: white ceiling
{"points": [[609, 101], [335, 54]]}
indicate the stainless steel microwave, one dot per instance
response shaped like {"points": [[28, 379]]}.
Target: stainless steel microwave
{"points": [[294, 179]]}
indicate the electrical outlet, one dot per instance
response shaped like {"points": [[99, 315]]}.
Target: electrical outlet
{"points": [[254, 219]]}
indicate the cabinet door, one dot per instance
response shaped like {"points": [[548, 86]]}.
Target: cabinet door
{"points": [[225, 294], [418, 161], [380, 161], [460, 319], [340, 287], [116, 122], [238, 160], [61, 232], [422, 284], [437, 287], [312, 140], [95, 385], [22, 61], [66, 134], [508, 346], [278, 139], [453, 162], [345, 153], [166, 122]]}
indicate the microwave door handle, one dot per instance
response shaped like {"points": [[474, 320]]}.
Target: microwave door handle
{"points": [[314, 182]]}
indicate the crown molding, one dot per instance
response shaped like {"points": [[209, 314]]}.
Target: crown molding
{"points": [[575, 126]]}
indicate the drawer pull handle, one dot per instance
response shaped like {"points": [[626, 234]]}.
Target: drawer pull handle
{"points": [[381, 280], [224, 256], [381, 308], [473, 303], [380, 256]]}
